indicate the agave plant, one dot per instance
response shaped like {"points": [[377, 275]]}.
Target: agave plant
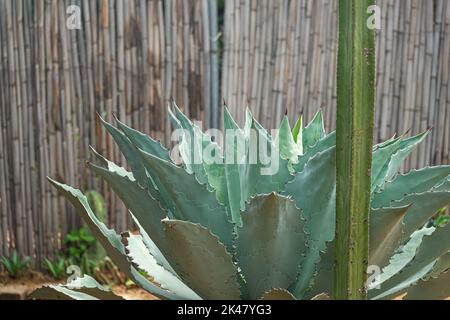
{"points": [[224, 230]]}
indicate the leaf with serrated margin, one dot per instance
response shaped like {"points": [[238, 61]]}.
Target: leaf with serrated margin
{"points": [[314, 131], [415, 181], [82, 288], [432, 289], [323, 276], [202, 261], [130, 153], [423, 207], [288, 148], [232, 166], [190, 200], [144, 142], [58, 292], [108, 238], [277, 294], [387, 159], [406, 147], [314, 190], [256, 177], [191, 147], [323, 144], [152, 248], [431, 248], [403, 255], [321, 296], [445, 186], [146, 209], [270, 243], [385, 234], [140, 256]]}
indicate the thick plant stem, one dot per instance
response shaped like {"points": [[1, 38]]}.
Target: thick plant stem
{"points": [[355, 114]]}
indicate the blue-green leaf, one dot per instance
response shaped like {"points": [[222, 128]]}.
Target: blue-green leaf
{"points": [[270, 243]]}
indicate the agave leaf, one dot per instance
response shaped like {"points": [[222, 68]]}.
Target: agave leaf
{"points": [[380, 161], [388, 159], [210, 166], [152, 248], [146, 209], [406, 147], [191, 147], [385, 143], [385, 234], [90, 286], [257, 178], [314, 191], [321, 296], [442, 265], [324, 274], [249, 176], [130, 153], [140, 256], [190, 200], [432, 289], [445, 186], [58, 292], [401, 258], [108, 238], [297, 133], [251, 122], [432, 246], [288, 147], [144, 142], [231, 167], [402, 287], [323, 144], [416, 181], [270, 243], [314, 131], [277, 294], [202, 261], [423, 207], [83, 288]]}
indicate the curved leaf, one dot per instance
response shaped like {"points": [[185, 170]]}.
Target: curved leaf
{"points": [[277, 294], [144, 142], [433, 246], [202, 261], [270, 243], [423, 207], [416, 181], [314, 131], [286, 143], [323, 144], [431, 289], [140, 256], [190, 200], [83, 288], [385, 234], [108, 238], [314, 191], [143, 207]]}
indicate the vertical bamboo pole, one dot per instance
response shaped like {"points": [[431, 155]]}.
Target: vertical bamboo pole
{"points": [[355, 114]]}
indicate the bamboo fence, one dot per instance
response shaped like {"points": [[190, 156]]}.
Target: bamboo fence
{"points": [[130, 57]]}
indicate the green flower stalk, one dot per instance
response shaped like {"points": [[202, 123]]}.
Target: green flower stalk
{"points": [[354, 136]]}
